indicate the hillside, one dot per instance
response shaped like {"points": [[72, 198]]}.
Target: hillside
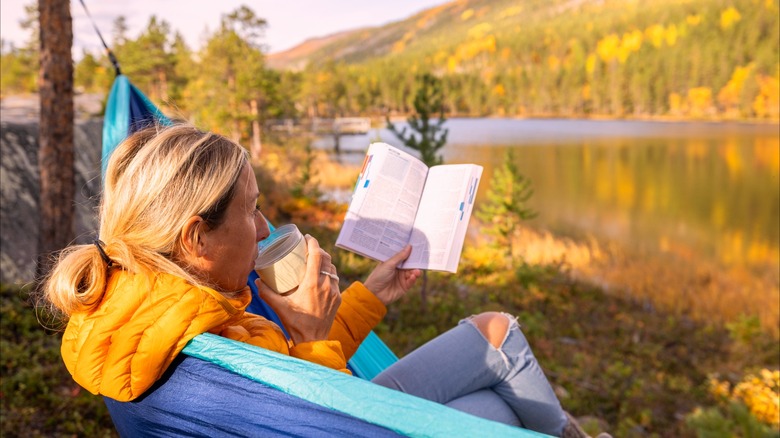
{"points": [[572, 58], [358, 45], [454, 22], [297, 57]]}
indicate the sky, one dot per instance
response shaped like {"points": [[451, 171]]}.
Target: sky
{"points": [[290, 22]]}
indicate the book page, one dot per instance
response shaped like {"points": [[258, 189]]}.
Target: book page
{"points": [[443, 216], [381, 215]]}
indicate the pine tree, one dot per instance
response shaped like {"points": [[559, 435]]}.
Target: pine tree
{"points": [[428, 136], [506, 204]]}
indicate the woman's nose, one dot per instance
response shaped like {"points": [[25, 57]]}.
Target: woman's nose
{"points": [[261, 228]]}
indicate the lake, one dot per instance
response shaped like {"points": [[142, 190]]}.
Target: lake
{"points": [[708, 190]]}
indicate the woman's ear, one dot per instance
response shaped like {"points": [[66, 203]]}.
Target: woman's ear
{"points": [[192, 237]]}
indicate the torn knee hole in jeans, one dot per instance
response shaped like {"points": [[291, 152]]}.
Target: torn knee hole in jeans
{"points": [[512, 324]]}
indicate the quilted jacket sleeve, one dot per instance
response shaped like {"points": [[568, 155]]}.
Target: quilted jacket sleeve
{"points": [[261, 332], [359, 313]]}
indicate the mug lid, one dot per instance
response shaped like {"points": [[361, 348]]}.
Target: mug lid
{"points": [[278, 244]]}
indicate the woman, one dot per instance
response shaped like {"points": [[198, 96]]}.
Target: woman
{"points": [[179, 226]]}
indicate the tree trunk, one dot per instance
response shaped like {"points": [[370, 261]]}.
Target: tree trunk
{"points": [[256, 146], [55, 143]]}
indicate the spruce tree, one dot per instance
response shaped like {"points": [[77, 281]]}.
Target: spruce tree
{"points": [[428, 136], [506, 204]]}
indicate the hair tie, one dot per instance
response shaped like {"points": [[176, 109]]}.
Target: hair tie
{"points": [[99, 245]]}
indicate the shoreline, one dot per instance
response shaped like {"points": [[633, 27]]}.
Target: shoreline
{"points": [[91, 103]]}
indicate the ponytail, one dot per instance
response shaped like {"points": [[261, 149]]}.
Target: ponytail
{"points": [[78, 280]]}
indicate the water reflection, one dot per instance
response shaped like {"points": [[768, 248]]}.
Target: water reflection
{"points": [[701, 189]]}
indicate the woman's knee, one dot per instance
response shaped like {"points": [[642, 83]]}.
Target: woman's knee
{"points": [[493, 326]]}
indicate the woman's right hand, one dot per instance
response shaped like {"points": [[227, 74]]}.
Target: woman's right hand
{"points": [[308, 312]]}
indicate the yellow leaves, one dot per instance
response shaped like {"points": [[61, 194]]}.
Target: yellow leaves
{"points": [[728, 17], [608, 47], [478, 44], [590, 64], [465, 15], [699, 101], [760, 395], [614, 47], [658, 34], [741, 74], [772, 378], [670, 36], [655, 34], [729, 95], [452, 64], [479, 31], [632, 41], [767, 102], [693, 20], [721, 390], [510, 12]]}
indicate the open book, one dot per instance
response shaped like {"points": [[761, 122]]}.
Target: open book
{"points": [[398, 200]]}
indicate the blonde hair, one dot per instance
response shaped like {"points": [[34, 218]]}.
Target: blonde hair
{"points": [[155, 181]]}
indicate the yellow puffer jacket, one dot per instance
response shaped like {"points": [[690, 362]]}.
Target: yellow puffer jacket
{"points": [[143, 322]]}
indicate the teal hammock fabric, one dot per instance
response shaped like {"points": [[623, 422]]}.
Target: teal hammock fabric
{"points": [[127, 110], [402, 413]]}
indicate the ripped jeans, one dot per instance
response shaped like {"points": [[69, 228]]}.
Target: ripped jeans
{"points": [[462, 370]]}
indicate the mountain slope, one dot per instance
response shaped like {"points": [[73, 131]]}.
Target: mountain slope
{"points": [[442, 25], [673, 58]]}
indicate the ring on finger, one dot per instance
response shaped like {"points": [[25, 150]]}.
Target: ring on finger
{"points": [[333, 276]]}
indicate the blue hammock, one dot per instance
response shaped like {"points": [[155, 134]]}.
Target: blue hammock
{"points": [[220, 387]]}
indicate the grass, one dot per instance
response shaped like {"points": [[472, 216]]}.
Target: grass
{"points": [[38, 396]]}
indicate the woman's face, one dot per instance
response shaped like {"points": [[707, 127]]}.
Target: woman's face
{"points": [[231, 247]]}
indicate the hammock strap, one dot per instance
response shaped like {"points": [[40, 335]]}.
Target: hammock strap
{"points": [[110, 54]]}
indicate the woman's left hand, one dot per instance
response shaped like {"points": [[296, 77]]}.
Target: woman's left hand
{"points": [[388, 282]]}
